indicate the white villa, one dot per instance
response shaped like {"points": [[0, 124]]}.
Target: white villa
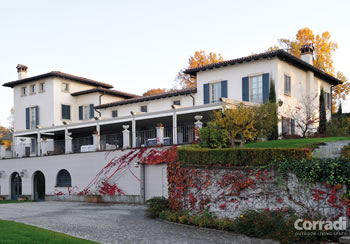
{"points": [[62, 114]]}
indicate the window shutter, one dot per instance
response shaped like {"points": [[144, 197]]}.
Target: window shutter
{"points": [[63, 109], [80, 112], [328, 100], [27, 119], [206, 93], [37, 115], [224, 88], [266, 87], [245, 89], [91, 111], [292, 127], [68, 112]]}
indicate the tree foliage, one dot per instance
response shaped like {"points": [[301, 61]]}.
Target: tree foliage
{"points": [[199, 59], [154, 91], [323, 59]]}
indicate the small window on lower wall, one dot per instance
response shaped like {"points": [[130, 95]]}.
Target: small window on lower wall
{"points": [[143, 108], [115, 114], [288, 126], [177, 102], [63, 179]]}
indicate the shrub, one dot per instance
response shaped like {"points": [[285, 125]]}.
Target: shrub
{"points": [[213, 137], [156, 205], [239, 156], [345, 152], [338, 126]]}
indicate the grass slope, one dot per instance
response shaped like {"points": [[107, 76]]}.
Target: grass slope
{"points": [[294, 143], [18, 233]]}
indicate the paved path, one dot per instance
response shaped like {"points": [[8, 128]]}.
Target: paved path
{"points": [[112, 223], [330, 150]]}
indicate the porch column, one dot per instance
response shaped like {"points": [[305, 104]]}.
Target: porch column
{"points": [[133, 131], [174, 129], [67, 142], [22, 149], [197, 125], [2, 151], [43, 147], [160, 134], [38, 142], [98, 141], [126, 136]]}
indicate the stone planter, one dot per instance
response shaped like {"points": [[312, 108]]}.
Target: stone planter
{"points": [[2, 198], [22, 198], [93, 198]]}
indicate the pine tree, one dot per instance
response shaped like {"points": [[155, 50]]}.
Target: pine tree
{"points": [[272, 99], [340, 110], [322, 111]]}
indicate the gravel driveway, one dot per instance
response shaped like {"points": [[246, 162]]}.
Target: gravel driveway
{"points": [[112, 223]]}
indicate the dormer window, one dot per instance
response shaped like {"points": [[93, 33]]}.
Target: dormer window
{"points": [[65, 87], [32, 89], [23, 91]]}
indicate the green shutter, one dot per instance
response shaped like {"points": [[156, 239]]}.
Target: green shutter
{"points": [[245, 89], [206, 93], [266, 87], [80, 112], [224, 88], [27, 119]]}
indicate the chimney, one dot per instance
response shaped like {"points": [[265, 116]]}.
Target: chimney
{"points": [[307, 53], [22, 71]]}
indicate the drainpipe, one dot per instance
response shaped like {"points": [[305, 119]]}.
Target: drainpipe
{"points": [[142, 183], [99, 103]]}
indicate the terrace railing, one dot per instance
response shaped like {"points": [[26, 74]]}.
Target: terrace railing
{"points": [[185, 134], [111, 141], [145, 138], [81, 141]]}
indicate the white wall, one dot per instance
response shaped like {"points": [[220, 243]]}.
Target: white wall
{"points": [[234, 74], [153, 106], [42, 99], [87, 170]]}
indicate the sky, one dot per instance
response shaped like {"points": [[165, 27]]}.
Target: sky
{"points": [[139, 45]]}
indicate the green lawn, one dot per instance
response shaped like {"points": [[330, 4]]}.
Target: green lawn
{"points": [[17, 233], [294, 143]]}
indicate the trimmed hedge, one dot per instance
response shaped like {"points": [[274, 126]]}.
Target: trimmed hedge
{"points": [[239, 156], [345, 152]]}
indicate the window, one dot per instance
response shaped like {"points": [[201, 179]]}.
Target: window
{"points": [[115, 114], [288, 126], [86, 112], [327, 100], [144, 108], [65, 87], [65, 111], [177, 102], [42, 87], [32, 117], [256, 89], [287, 85], [23, 91], [32, 89], [63, 179], [33, 145], [215, 92]]}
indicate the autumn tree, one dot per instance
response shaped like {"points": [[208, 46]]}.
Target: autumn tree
{"points": [[154, 91], [323, 60], [199, 59], [238, 123]]}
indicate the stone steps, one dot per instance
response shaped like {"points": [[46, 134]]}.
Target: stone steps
{"points": [[330, 150]]}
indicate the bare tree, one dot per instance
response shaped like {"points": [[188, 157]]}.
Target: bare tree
{"points": [[305, 114]]}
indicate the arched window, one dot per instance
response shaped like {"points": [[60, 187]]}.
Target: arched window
{"points": [[63, 179]]}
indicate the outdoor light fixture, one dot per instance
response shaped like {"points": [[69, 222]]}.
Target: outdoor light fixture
{"points": [[198, 117], [2, 173], [23, 173]]}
